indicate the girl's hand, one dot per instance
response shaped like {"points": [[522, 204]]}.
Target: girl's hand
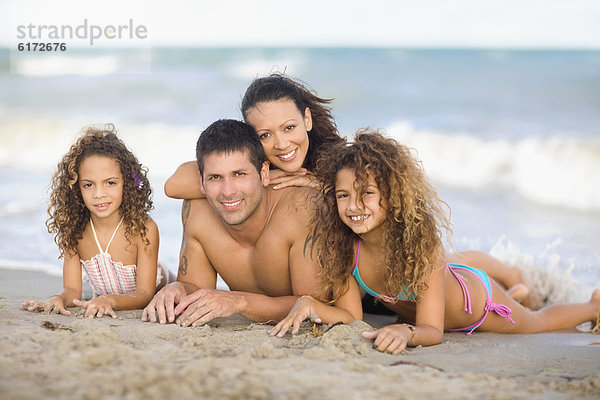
{"points": [[54, 304], [391, 339], [281, 179], [303, 309], [96, 307]]}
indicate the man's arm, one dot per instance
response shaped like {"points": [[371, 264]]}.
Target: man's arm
{"points": [[205, 305], [194, 272], [302, 269]]}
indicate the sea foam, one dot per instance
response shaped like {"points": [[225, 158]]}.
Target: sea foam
{"points": [[553, 171]]}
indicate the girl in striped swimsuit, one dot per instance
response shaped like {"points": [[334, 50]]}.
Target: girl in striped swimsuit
{"points": [[100, 201], [379, 232]]}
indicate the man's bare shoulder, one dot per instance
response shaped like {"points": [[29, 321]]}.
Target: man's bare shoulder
{"points": [[195, 213], [295, 210], [298, 200], [294, 216]]}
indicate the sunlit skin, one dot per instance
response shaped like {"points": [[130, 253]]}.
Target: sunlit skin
{"points": [[249, 234], [101, 184], [362, 214], [439, 307], [282, 130], [232, 186]]}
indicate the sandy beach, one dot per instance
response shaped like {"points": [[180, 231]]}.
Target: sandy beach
{"points": [[60, 357]]}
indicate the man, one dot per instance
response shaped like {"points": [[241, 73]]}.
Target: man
{"points": [[255, 238]]}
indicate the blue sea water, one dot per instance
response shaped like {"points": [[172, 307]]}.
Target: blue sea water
{"points": [[510, 138]]}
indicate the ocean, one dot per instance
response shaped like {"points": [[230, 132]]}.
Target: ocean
{"points": [[510, 138]]}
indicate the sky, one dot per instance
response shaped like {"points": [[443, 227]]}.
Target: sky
{"points": [[327, 23]]}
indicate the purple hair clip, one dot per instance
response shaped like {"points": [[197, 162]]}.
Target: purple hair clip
{"points": [[139, 183]]}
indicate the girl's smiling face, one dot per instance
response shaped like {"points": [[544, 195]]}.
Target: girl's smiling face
{"points": [[101, 185], [283, 132], [361, 214]]}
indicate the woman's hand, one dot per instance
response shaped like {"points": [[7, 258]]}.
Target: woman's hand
{"points": [[281, 179], [96, 307], [391, 339], [302, 310], [54, 304]]}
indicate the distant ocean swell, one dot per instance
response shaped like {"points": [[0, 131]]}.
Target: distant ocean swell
{"points": [[555, 171], [558, 171]]}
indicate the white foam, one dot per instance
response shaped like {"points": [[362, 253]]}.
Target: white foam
{"points": [[547, 275], [558, 171], [39, 144]]}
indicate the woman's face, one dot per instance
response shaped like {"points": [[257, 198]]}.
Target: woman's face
{"points": [[282, 130]]}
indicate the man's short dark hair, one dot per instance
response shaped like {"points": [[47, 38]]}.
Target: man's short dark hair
{"points": [[226, 136]]}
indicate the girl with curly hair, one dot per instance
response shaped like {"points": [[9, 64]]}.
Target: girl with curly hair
{"points": [[294, 126], [100, 201], [380, 231]]}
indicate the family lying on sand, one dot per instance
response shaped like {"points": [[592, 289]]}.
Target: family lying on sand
{"points": [[299, 222]]}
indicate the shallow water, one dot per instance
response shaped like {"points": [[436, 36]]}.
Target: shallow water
{"points": [[511, 139]]}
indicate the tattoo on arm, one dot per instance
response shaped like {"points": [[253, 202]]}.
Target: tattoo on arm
{"points": [[183, 265], [185, 212]]}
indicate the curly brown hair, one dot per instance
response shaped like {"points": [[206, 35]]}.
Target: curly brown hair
{"points": [[278, 86], [415, 215], [68, 213]]}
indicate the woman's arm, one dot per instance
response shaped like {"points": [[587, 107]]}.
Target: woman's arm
{"points": [[147, 261], [280, 179], [185, 183]]}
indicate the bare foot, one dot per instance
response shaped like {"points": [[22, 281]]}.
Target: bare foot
{"points": [[518, 292]]}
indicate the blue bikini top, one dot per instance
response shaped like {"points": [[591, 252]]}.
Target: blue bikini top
{"points": [[370, 291]]}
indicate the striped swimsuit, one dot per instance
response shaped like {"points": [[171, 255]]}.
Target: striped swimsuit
{"points": [[107, 276]]}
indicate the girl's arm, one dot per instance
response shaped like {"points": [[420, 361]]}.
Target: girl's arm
{"points": [[185, 183], [147, 261], [347, 309], [71, 289], [429, 327]]}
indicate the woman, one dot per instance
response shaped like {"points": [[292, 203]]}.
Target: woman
{"points": [[294, 126]]}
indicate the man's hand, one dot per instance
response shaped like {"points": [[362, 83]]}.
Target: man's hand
{"points": [[162, 305], [204, 305]]}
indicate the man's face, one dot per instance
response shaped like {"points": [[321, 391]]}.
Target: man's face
{"points": [[232, 185]]}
